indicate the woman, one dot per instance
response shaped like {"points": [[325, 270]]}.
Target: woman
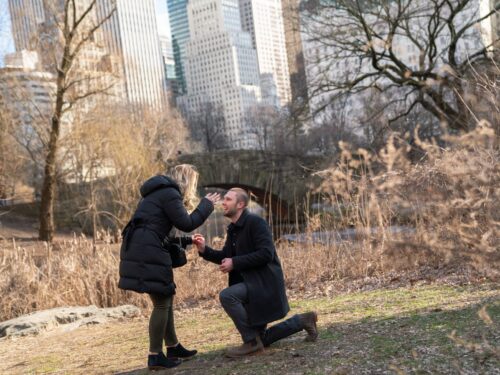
{"points": [[146, 267]]}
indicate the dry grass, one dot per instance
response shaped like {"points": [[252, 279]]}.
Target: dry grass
{"points": [[67, 273], [71, 273], [450, 199]]}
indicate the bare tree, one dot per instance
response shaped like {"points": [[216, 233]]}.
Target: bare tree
{"points": [[110, 153], [27, 117], [3, 161], [417, 52], [70, 28], [291, 129], [207, 126], [331, 128], [263, 122], [14, 162], [375, 130], [10, 158]]}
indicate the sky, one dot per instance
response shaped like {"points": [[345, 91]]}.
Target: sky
{"points": [[7, 44], [162, 17]]}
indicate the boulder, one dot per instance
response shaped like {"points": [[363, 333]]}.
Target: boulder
{"points": [[65, 318]]}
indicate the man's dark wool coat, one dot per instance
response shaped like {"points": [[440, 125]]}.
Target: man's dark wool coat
{"points": [[256, 260], [145, 266]]}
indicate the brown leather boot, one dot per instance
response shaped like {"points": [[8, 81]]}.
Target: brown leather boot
{"points": [[309, 320], [248, 348]]}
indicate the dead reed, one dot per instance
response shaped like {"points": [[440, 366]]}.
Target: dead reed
{"points": [[449, 200], [72, 273]]}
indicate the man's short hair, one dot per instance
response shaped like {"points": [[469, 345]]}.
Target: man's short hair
{"points": [[241, 195]]}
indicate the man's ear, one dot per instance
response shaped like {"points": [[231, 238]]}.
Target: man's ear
{"points": [[241, 204]]}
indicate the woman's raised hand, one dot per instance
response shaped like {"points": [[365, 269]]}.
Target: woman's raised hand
{"points": [[213, 197]]}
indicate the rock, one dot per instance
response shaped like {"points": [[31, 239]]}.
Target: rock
{"points": [[65, 318]]}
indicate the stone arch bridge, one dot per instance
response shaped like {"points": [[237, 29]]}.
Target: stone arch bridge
{"points": [[279, 183]]}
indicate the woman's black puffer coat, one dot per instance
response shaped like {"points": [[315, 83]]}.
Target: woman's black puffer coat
{"points": [[145, 267]]}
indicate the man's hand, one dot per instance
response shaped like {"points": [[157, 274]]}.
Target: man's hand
{"points": [[226, 265], [199, 242]]}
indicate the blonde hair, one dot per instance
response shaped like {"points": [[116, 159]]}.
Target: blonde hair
{"points": [[186, 177]]}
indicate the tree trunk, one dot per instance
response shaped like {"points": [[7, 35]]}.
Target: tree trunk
{"points": [[70, 49], [3, 161], [93, 208], [462, 121], [3, 185], [46, 230]]}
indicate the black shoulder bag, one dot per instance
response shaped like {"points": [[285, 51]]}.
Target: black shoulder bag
{"points": [[177, 253]]}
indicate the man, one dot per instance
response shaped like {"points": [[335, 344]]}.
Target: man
{"points": [[256, 293]]}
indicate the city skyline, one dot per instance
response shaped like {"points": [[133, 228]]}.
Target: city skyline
{"points": [[229, 54], [7, 40]]}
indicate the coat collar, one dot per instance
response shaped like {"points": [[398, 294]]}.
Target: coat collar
{"points": [[241, 221]]}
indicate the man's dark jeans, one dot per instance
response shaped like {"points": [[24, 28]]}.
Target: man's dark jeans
{"points": [[233, 300]]}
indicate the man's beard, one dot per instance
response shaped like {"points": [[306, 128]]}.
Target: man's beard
{"points": [[230, 212]]}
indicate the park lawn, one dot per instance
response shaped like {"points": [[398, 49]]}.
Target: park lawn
{"points": [[419, 330]]}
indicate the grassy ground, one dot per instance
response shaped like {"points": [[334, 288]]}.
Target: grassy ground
{"points": [[405, 330]]}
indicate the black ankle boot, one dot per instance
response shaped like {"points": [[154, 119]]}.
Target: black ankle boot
{"points": [[159, 361], [179, 351]]}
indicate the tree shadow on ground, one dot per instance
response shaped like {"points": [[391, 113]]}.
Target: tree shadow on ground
{"points": [[420, 342]]}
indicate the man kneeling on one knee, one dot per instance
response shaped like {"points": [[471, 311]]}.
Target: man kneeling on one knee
{"points": [[256, 293]]}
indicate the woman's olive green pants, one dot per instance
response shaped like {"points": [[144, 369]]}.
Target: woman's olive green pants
{"points": [[161, 323]]}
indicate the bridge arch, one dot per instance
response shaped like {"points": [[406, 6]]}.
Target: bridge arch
{"points": [[279, 183]]}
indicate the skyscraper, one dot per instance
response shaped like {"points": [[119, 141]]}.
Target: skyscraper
{"points": [[495, 21], [179, 27], [263, 19], [132, 34], [27, 98], [168, 56], [221, 67], [295, 54], [130, 37], [169, 65], [28, 15], [36, 26], [25, 16]]}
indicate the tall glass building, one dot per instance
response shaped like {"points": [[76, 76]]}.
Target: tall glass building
{"points": [[26, 15], [132, 34], [263, 19], [179, 27], [222, 69]]}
